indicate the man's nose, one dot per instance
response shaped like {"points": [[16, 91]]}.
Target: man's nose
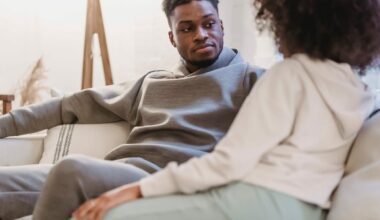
{"points": [[201, 34]]}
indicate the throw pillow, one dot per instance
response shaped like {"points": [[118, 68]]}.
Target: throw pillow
{"points": [[94, 140]]}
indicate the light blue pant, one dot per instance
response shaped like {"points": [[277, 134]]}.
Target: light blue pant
{"points": [[237, 201]]}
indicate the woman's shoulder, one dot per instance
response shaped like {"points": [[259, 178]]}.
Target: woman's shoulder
{"points": [[289, 68], [299, 64]]}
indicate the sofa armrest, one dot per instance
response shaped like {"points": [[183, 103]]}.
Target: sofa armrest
{"points": [[94, 140], [21, 150]]}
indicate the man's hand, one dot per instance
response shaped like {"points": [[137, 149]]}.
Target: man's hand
{"points": [[95, 209]]}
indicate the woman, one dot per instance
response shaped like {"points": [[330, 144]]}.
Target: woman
{"points": [[285, 152]]}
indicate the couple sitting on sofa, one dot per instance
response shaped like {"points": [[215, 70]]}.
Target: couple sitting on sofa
{"points": [[285, 149]]}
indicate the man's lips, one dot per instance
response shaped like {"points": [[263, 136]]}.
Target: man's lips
{"points": [[203, 46]]}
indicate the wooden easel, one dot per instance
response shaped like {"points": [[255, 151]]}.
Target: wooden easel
{"points": [[94, 25]]}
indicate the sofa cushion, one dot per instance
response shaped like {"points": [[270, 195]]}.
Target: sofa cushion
{"points": [[94, 140], [358, 194]]}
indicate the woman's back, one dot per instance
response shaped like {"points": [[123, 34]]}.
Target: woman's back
{"points": [[313, 109]]}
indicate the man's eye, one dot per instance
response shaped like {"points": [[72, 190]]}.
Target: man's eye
{"points": [[185, 30], [210, 24]]}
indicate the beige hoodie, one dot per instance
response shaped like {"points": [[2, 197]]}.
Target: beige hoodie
{"points": [[291, 135]]}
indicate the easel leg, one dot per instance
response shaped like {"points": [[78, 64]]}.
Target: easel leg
{"points": [[95, 25]]}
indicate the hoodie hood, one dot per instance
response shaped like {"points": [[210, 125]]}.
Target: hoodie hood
{"points": [[339, 80]]}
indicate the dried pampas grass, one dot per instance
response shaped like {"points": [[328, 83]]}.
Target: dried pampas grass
{"points": [[33, 87]]}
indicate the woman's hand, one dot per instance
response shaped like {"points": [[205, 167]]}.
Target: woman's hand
{"points": [[95, 209]]}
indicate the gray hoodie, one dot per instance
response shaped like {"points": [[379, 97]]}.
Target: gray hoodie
{"points": [[173, 114]]}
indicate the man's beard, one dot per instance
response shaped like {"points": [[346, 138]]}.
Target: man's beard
{"points": [[203, 63]]}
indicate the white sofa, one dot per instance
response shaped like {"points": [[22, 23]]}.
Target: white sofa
{"points": [[22, 150], [357, 197]]}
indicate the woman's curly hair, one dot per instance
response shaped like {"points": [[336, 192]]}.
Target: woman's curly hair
{"points": [[341, 30]]}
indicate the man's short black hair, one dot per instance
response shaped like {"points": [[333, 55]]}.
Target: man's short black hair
{"points": [[168, 6]]}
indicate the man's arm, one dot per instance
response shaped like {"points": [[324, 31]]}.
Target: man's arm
{"points": [[100, 105]]}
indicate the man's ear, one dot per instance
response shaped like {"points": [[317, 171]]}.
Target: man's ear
{"points": [[171, 38]]}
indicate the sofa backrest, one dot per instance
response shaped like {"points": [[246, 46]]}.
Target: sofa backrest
{"points": [[366, 148], [358, 194]]}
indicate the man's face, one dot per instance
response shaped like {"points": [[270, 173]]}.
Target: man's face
{"points": [[197, 33]]}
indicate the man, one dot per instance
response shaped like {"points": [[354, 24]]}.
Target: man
{"points": [[174, 115]]}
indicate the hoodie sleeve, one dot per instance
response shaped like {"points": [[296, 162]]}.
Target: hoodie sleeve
{"points": [[98, 105], [265, 120]]}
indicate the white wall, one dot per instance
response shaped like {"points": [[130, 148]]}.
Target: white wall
{"points": [[241, 33], [136, 34]]}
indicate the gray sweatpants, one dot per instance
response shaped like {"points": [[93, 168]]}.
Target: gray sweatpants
{"points": [[60, 189], [20, 187]]}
